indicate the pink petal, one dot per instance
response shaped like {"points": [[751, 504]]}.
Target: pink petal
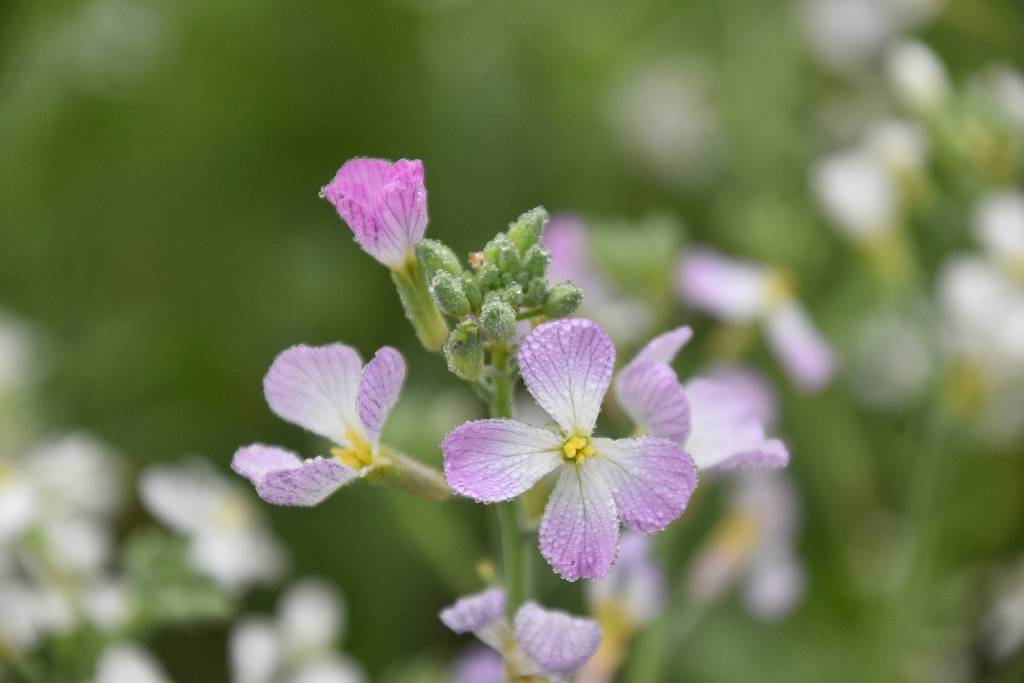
{"points": [[653, 398], [475, 612], [723, 423], [307, 485], [478, 665], [256, 461], [558, 642], [663, 348], [807, 357], [727, 288], [379, 386], [772, 453], [368, 174], [579, 531], [493, 460], [315, 387], [651, 479], [567, 365], [636, 583]]}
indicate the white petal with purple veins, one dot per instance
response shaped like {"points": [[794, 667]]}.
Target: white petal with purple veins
{"points": [[650, 478], [772, 453], [723, 423], [558, 642], [315, 387], [475, 612], [492, 460], [567, 365], [653, 398], [307, 485], [379, 386], [663, 348], [256, 461], [579, 531]]}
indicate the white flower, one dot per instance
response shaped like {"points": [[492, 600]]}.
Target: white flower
{"points": [[857, 193], [917, 77]]}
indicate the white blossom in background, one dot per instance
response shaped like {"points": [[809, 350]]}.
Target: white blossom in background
{"points": [[228, 538], [917, 77], [999, 227], [1003, 624], [76, 475], [128, 663], [17, 355], [900, 145], [754, 545], [892, 360], [1006, 86], [299, 646], [663, 117], [857, 193]]}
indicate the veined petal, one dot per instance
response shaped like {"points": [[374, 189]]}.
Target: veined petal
{"points": [[723, 423], [807, 357], [475, 612], [315, 387], [492, 460], [567, 366], [399, 216], [557, 642], [654, 399], [306, 485], [579, 531], [379, 386], [257, 460], [369, 174], [772, 453], [651, 479], [663, 348]]}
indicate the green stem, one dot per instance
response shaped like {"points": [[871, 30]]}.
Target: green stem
{"points": [[532, 313], [501, 396], [419, 305]]}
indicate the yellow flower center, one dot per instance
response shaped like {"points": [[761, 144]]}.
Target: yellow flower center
{"points": [[577, 449], [779, 288], [358, 456]]}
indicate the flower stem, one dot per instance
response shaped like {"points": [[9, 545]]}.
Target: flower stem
{"points": [[501, 395], [419, 305]]}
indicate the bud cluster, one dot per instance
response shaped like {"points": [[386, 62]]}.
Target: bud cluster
{"points": [[507, 282]]}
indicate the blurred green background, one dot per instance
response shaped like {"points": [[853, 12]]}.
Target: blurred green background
{"points": [[159, 221]]}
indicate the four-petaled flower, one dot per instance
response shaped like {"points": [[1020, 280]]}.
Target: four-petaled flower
{"points": [[327, 390], [717, 424], [540, 642], [385, 204], [646, 482]]}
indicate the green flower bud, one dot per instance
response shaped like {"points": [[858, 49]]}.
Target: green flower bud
{"points": [[489, 276], [535, 292], [497, 320], [449, 295], [513, 295], [465, 351], [507, 279], [522, 277], [436, 256], [527, 229], [562, 300], [490, 252], [471, 289], [508, 259], [536, 261]]}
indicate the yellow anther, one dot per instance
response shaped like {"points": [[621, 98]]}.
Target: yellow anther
{"points": [[577, 449], [779, 288], [358, 456]]}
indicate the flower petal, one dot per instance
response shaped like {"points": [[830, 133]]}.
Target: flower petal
{"points": [[255, 461], [399, 216], [663, 348], [727, 288], [567, 366], [368, 174], [654, 399], [723, 423], [651, 479], [306, 485], [492, 460], [772, 453], [379, 386], [476, 611], [315, 387], [558, 642], [807, 357], [579, 532]]}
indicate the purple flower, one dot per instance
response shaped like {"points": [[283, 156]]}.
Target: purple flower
{"points": [[540, 642], [741, 292], [385, 204], [327, 390], [634, 592], [646, 482], [715, 422]]}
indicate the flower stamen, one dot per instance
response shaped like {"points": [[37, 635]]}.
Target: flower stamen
{"points": [[358, 456], [577, 449]]}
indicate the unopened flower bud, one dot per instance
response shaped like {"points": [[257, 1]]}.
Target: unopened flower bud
{"points": [[449, 295], [562, 300], [498, 320], [527, 229], [507, 279], [465, 351], [471, 288], [436, 256], [536, 260], [489, 276], [513, 295], [535, 292], [508, 259], [490, 252]]}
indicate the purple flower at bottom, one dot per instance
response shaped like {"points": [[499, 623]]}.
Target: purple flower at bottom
{"points": [[646, 482], [716, 422], [385, 204], [327, 390], [539, 642]]}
